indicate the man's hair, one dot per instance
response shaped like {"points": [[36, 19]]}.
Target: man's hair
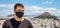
{"points": [[18, 4]]}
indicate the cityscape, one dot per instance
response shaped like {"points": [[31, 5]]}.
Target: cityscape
{"points": [[45, 20]]}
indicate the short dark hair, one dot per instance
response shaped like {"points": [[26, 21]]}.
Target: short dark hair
{"points": [[18, 4]]}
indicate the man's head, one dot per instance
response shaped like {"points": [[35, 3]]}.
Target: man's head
{"points": [[19, 10]]}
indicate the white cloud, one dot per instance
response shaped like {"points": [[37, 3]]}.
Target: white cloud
{"points": [[48, 2], [58, 11], [51, 8], [2, 5], [10, 5], [5, 12], [39, 10], [6, 9], [7, 5], [33, 7]]}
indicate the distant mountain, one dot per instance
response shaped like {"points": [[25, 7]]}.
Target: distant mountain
{"points": [[46, 15], [12, 15]]}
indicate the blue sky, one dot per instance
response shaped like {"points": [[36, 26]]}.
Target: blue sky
{"points": [[32, 7]]}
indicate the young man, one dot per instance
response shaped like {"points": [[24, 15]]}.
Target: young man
{"points": [[18, 21]]}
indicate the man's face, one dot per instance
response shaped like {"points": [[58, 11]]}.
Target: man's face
{"points": [[19, 11]]}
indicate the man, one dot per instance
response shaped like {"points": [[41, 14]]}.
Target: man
{"points": [[18, 21]]}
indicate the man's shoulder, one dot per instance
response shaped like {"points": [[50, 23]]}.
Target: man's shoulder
{"points": [[26, 20], [7, 21]]}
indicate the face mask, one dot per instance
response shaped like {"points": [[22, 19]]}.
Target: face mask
{"points": [[19, 14]]}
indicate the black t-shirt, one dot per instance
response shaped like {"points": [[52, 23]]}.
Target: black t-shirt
{"points": [[15, 23], [12, 23]]}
